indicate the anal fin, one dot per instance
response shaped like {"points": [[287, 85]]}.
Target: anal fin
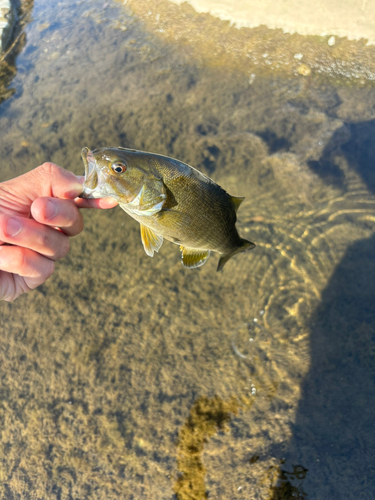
{"points": [[192, 257], [151, 241]]}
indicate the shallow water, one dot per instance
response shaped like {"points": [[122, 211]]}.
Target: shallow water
{"points": [[126, 376]]}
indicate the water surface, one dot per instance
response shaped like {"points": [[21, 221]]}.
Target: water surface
{"points": [[126, 376]]}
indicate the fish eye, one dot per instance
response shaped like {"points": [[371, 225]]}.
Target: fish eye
{"points": [[118, 167]]}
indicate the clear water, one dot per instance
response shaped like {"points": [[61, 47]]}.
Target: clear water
{"points": [[131, 377]]}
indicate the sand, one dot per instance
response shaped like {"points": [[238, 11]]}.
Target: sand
{"points": [[120, 377], [352, 19]]}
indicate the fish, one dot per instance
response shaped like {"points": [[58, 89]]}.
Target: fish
{"points": [[170, 199]]}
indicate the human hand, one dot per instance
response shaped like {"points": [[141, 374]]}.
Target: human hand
{"points": [[38, 214]]}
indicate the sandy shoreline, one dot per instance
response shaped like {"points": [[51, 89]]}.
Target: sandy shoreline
{"points": [[352, 19]]}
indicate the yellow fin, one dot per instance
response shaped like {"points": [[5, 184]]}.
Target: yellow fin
{"points": [[192, 257], [151, 241], [236, 202]]}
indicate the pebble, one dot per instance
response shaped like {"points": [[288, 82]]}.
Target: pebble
{"points": [[43, 26], [304, 70], [252, 78]]}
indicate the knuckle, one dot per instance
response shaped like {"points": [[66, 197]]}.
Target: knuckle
{"points": [[18, 287], [3, 221], [53, 243], [7, 287], [49, 169], [20, 260], [41, 268], [72, 219], [43, 240], [79, 223], [65, 247], [49, 268]]}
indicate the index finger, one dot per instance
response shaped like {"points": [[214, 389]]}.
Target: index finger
{"points": [[47, 180], [95, 203]]}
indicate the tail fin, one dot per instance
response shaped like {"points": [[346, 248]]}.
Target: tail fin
{"points": [[245, 245]]}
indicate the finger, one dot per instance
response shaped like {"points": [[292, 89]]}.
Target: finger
{"points": [[106, 202], [96, 203], [8, 287], [29, 234], [13, 285], [47, 180], [58, 213], [56, 182], [27, 263]]}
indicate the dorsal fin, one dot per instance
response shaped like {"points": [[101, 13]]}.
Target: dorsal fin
{"points": [[236, 200]]}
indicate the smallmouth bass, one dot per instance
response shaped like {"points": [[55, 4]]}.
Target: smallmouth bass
{"points": [[170, 199]]}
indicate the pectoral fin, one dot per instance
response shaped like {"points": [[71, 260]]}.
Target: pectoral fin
{"points": [[151, 241], [192, 257], [172, 219]]}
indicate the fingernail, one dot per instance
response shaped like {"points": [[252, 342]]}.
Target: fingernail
{"points": [[51, 210], [13, 227], [76, 189]]}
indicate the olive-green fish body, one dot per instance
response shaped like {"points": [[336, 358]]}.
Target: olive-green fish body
{"points": [[170, 200]]}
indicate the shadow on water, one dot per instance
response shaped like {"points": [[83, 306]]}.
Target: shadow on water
{"points": [[333, 435], [355, 142]]}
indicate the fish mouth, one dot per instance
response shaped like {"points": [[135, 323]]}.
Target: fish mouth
{"points": [[91, 175]]}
